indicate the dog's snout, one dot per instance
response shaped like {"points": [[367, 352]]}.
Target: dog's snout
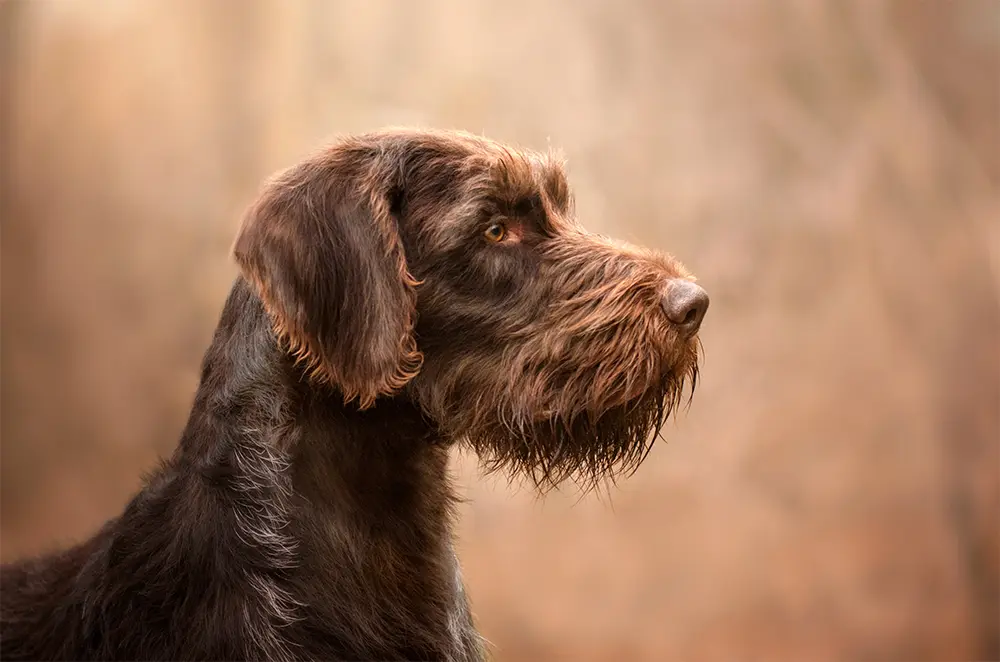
{"points": [[686, 304]]}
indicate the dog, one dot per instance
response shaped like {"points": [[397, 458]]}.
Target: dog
{"points": [[400, 292]]}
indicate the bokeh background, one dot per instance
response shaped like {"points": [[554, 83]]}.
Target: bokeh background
{"points": [[830, 170]]}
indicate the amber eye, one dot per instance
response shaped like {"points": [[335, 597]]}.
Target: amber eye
{"points": [[496, 232]]}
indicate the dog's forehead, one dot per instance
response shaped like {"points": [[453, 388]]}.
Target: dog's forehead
{"points": [[518, 174], [514, 172]]}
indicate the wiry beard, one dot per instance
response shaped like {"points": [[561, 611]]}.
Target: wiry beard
{"points": [[579, 395], [587, 448]]}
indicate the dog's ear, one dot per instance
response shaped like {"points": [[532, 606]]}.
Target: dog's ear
{"points": [[322, 248]]}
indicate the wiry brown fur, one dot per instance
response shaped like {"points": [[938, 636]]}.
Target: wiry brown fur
{"points": [[307, 511]]}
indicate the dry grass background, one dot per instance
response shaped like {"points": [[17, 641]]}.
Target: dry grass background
{"points": [[830, 170]]}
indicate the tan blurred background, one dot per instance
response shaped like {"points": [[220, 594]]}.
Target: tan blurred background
{"points": [[830, 170]]}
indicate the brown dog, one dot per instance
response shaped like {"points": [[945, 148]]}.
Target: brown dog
{"points": [[402, 292]]}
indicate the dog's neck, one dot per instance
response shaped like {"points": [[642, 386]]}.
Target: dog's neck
{"points": [[254, 397], [354, 512]]}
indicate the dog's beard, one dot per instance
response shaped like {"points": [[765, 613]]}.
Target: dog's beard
{"points": [[588, 413], [587, 447]]}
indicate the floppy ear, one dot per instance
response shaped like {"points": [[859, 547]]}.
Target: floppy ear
{"points": [[322, 249]]}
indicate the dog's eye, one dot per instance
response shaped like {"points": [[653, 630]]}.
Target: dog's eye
{"points": [[496, 233]]}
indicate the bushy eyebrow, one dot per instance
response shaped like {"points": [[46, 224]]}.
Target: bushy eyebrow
{"points": [[533, 187], [528, 206]]}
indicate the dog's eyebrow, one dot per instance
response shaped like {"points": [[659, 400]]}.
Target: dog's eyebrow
{"points": [[518, 205], [531, 207], [527, 205]]}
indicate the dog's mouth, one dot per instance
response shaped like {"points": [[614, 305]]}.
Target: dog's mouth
{"points": [[586, 409], [667, 374], [587, 445]]}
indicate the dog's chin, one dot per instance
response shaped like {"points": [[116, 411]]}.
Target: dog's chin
{"points": [[588, 447]]}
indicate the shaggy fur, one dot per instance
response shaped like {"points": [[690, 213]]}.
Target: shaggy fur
{"points": [[400, 292]]}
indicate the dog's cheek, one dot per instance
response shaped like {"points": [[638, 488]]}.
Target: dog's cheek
{"points": [[511, 274], [497, 275]]}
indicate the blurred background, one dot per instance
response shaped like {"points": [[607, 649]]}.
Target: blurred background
{"points": [[830, 171]]}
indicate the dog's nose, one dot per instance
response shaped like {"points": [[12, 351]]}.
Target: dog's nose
{"points": [[685, 304]]}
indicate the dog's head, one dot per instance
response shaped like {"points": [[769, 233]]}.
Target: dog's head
{"points": [[451, 269]]}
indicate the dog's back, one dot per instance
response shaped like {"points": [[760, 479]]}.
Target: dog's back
{"points": [[148, 586], [41, 604]]}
